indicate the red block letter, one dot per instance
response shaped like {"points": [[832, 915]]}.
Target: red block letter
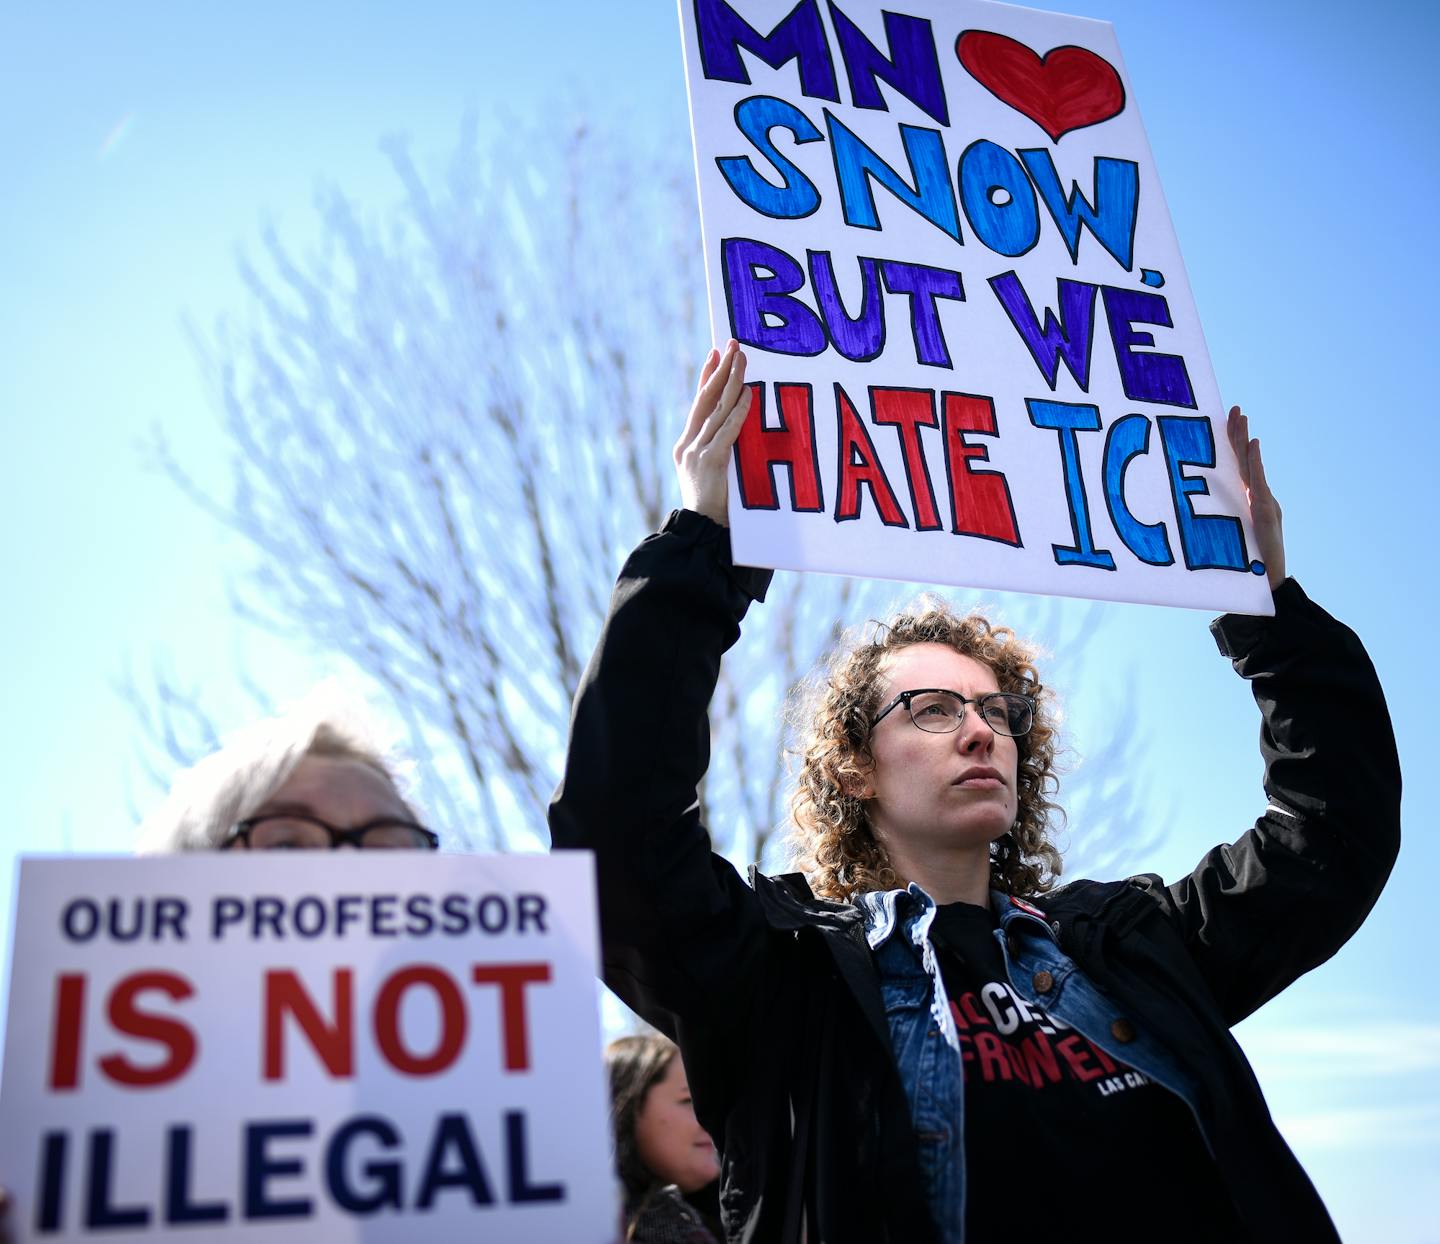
{"points": [[65, 1031], [909, 410], [452, 1021], [792, 445], [980, 500], [333, 1042], [512, 979], [860, 465], [129, 1020]]}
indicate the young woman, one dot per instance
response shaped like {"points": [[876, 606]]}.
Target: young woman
{"points": [[921, 1038], [662, 1154]]}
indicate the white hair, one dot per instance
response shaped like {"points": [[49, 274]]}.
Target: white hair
{"points": [[208, 799]]}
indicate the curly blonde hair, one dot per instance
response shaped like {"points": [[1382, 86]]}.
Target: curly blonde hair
{"points": [[831, 839]]}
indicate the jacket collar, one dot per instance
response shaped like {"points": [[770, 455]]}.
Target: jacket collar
{"points": [[789, 903], [913, 909]]}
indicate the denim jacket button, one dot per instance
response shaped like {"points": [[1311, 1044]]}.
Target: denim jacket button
{"points": [[1123, 1031], [1043, 982]]}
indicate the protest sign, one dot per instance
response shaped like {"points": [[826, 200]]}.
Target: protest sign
{"points": [[937, 230], [333, 1046]]}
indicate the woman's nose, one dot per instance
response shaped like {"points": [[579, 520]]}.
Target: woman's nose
{"points": [[975, 733]]}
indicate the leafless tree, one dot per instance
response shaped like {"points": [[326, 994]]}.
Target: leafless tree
{"points": [[450, 424]]}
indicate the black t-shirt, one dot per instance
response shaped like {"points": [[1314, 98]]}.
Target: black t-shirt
{"points": [[1055, 1127]]}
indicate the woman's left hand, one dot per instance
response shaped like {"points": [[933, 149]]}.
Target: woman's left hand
{"points": [[1265, 516]]}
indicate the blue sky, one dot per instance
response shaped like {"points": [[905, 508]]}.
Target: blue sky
{"points": [[144, 146]]}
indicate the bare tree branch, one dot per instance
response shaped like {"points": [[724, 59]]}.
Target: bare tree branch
{"points": [[448, 427]]}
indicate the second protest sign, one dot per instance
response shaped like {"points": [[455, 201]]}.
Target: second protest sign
{"points": [[311, 1045]]}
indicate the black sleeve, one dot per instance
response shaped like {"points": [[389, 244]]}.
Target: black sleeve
{"points": [[681, 932], [1259, 912]]}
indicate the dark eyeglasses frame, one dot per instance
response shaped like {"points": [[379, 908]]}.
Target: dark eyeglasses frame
{"points": [[338, 837], [965, 701]]}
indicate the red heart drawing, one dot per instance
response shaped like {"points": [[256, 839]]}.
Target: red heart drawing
{"points": [[1066, 89]]}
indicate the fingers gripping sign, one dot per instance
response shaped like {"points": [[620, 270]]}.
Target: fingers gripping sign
{"points": [[1265, 513], [702, 454]]}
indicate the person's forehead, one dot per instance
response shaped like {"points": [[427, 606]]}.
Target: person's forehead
{"points": [[935, 665], [339, 787]]}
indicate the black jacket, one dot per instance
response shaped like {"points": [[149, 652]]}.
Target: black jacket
{"points": [[771, 992]]}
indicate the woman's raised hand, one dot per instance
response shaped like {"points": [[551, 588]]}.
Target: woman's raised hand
{"points": [[1265, 514], [702, 454]]}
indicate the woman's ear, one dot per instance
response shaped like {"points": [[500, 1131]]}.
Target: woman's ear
{"points": [[857, 785]]}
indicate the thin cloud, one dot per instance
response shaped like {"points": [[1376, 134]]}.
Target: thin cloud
{"points": [[117, 135], [1362, 1127], [1352, 1051]]}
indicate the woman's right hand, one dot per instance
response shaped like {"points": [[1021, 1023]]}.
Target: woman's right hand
{"points": [[702, 454]]}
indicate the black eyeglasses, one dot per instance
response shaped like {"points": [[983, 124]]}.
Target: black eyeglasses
{"points": [[299, 831], [938, 711]]}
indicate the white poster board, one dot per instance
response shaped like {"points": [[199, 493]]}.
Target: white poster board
{"points": [[937, 230], [307, 1046]]}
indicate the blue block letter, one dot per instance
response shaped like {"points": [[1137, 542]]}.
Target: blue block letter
{"points": [[1208, 541], [751, 297], [998, 199], [913, 69], [1069, 339], [800, 36], [1067, 419], [1148, 377], [932, 195], [1111, 219], [796, 195], [1127, 437]]}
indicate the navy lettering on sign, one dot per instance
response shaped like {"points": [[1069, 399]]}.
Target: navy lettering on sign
{"points": [[1149, 376], [101, 1213], [453, 1162], [924, 285], [262, 1167], [912, 68], [799, 36], [1066, 339], [760, 280], [179, 1206], [517, 1163], [859, 338], [382, 1188]]}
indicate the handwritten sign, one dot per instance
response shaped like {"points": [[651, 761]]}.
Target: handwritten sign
{"points": [[317, 1045], [937, 229]]}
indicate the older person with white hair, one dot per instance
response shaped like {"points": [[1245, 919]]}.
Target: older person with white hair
{"points": [[321, 775]]}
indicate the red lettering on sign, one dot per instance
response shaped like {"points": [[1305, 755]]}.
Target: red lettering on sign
{"points": [[66, 1030], [129, 1020], [979, 500], [452, 1021], [759, 450], [332, 1041], [512, 979]]}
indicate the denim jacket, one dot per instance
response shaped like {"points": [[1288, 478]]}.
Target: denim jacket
{"points": [[927, 1044]]}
